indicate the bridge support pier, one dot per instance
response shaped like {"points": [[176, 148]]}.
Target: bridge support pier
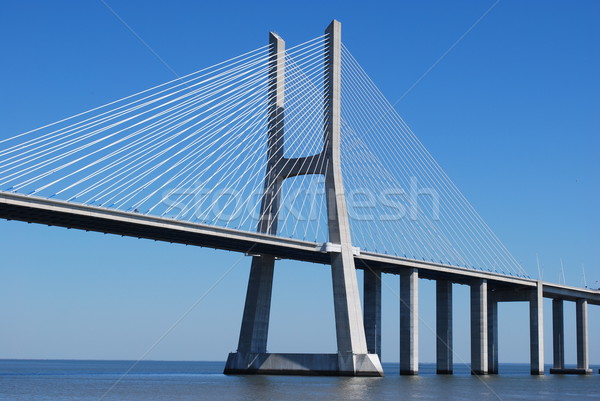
{"points": [[372, 310], [536, 330], [353, 357], [582, 336], [558, 337], [255, 321], [479, 327], [409, 322], [492, 309], [444, 360], [558, 334]]}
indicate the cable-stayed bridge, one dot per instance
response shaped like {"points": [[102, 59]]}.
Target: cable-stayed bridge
{"points": [[295, 154]]}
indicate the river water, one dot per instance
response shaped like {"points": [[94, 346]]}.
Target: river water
{"points": [[150, 380]]}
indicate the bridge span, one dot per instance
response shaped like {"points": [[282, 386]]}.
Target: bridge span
{"points": [[71, 215], [487, 288]]}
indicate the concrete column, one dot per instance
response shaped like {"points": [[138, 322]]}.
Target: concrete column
{"points": [[350, 329], [409, 322], [269, 209], [479, 327], [492, 334], [372, 312], [536, 330], [444, 326], [255, 321], [558, 333], [582, 334]]}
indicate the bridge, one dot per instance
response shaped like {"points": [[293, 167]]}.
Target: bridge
{"points": [[289, 154]]}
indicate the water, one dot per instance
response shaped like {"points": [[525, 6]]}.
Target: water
{"points": [[150, 381]]}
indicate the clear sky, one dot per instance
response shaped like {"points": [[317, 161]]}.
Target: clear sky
{"points": [[512, 113]]}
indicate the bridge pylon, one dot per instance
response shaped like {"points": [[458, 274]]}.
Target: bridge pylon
{"points": [[352, 358]]}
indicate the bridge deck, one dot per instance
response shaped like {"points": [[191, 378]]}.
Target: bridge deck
{"points": [[92, 218]]}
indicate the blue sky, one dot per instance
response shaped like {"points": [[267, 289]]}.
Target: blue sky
{"points": [[511, 113]]}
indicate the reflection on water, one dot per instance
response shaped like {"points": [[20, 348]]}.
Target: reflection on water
{"points": [[150, 381]]}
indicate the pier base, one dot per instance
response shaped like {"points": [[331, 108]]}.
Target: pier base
{"points": [[303, 364], [570, 371]]}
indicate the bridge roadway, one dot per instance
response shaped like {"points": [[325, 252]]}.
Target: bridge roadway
{"points": [[92, 218]]}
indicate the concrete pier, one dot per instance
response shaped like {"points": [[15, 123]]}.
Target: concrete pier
{"points": [[479, 327], [353, 357], [582, 336], [443, 324], [558, 337], [536, 330], [372, 310], [558, 334], [350, 330], [492, 333], [255, 321], [409, 322]]}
